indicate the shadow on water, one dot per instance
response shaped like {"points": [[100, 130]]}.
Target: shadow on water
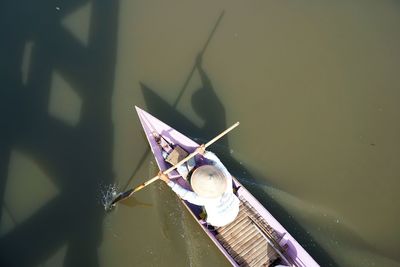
{"points": [[77, 158], [209, 107], [181, 92]]}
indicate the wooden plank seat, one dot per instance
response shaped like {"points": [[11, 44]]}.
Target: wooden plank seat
{"points": [[249, 239]]}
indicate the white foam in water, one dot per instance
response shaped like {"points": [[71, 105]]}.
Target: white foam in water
{"points": [[108, 194]]}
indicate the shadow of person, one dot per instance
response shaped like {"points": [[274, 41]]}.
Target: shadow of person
{"points": [[207, 105]]}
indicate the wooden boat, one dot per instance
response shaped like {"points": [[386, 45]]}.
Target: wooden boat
{"points": [[255, 238]]}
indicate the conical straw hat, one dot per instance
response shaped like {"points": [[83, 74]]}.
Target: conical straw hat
{"points": [[208, 181]]}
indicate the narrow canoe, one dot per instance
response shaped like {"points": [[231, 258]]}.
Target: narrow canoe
{"points": [[255, 238]]}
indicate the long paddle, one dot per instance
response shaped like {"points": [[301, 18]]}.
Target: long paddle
{"points": [[130, 192]]}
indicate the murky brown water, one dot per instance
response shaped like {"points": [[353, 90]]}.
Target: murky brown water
{"points": [[315, 86]]}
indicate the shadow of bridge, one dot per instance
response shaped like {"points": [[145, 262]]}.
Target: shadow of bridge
{"points": [[77, 158]]}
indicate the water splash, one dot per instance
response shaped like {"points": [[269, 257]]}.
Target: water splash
{"points": [[108, 194]]}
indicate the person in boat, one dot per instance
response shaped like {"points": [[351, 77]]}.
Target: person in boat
{"points": [[212, 188]]}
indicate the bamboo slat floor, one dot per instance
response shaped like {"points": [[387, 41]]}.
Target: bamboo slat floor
{"points": [[249, 239]]}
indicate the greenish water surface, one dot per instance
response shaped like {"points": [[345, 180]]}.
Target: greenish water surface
{"points": [[315, 85]]}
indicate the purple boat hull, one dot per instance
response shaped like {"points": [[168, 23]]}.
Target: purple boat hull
{"points": [[294, 252]]}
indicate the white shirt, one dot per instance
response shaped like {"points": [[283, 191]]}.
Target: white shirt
{"points": [[220, 211]]}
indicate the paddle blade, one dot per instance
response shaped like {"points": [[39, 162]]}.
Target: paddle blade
{"points": [[120, 197]]}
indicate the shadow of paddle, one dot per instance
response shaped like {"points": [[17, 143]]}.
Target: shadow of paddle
{"points": [[143, 159], [132, 202]]}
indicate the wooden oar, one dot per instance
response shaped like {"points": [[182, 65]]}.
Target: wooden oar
{"points": [[130, 192]]}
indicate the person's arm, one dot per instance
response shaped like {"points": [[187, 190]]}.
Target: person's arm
{"points": [[212, 158], [183, 193]]}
